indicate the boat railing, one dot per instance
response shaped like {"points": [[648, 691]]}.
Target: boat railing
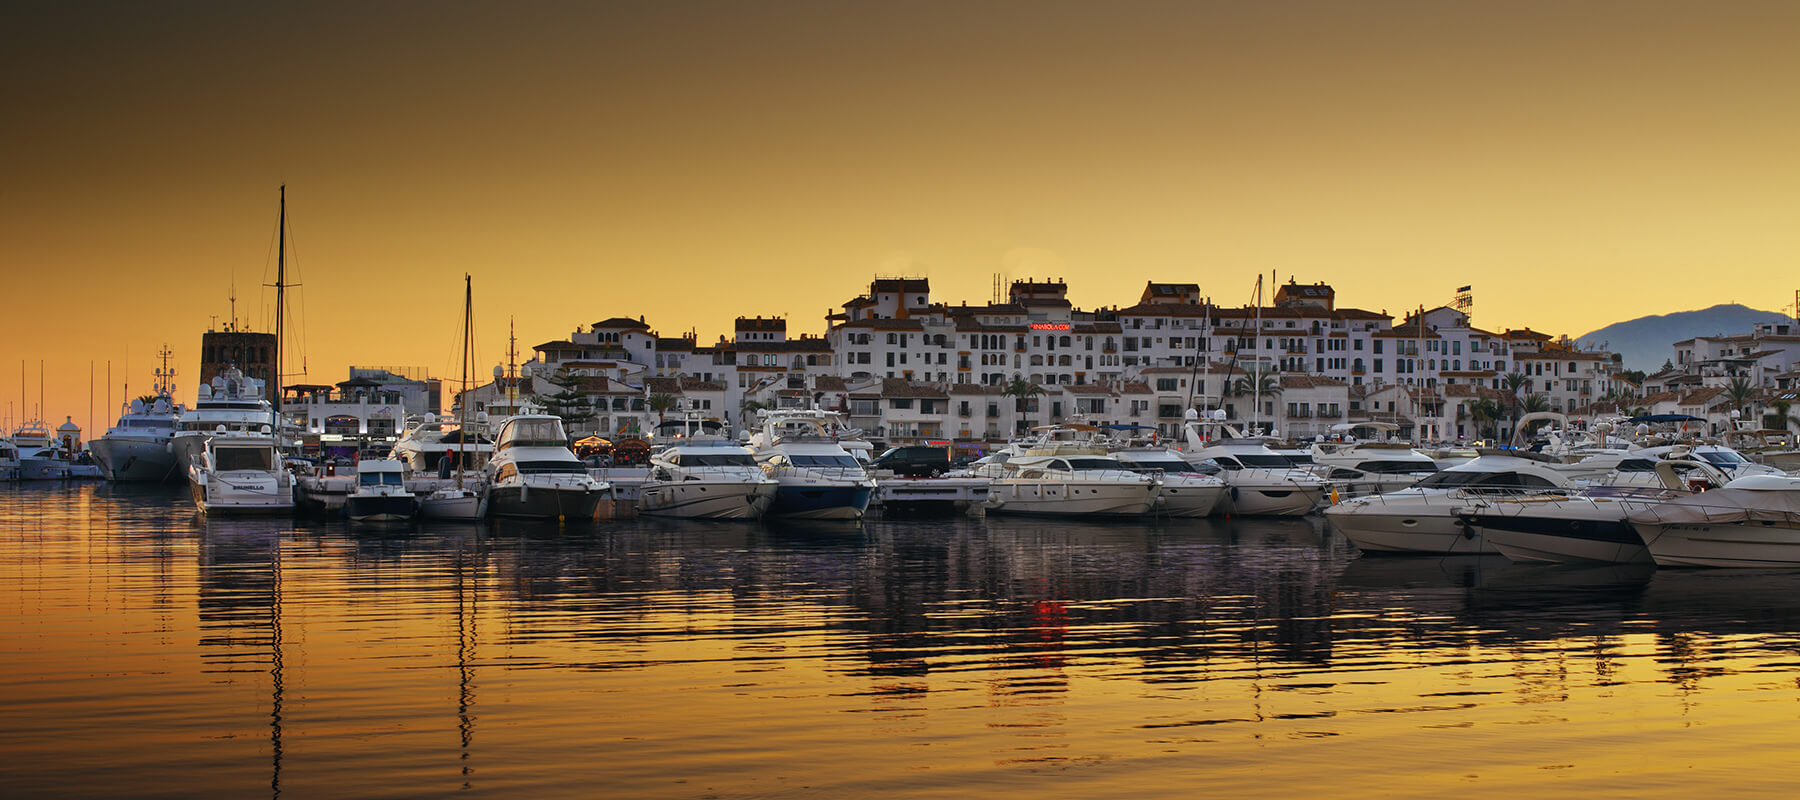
{"points": [[827, 472], [721, 472]]}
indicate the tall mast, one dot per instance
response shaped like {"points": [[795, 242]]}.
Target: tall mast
{"points": [[1256, 375], [280, 298], [462, 406], [512, 366]]}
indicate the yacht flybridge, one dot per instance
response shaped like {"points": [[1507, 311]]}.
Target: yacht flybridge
{"points": [[241, 475]]}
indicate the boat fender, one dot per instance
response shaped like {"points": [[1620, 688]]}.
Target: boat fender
{"points": [[1234, 493], [1468, 530]]}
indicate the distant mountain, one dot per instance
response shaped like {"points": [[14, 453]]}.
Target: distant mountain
{"points": [[1646, 342]]}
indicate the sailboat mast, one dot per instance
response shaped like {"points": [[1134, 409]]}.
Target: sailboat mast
{"points": [[280, 287], [1256, 376], [462, 406]]}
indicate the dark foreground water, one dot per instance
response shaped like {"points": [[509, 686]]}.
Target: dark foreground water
{"points": [[145, 651]]}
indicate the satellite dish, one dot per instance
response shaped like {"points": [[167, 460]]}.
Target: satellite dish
{"points": [[499, 372], [430, 418], [1191, 414]]}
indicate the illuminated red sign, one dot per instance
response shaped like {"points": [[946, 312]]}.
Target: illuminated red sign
{"points": [[1049, 326]]}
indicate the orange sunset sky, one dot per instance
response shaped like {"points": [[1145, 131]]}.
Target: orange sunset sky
{"points": [[1579, 163]]}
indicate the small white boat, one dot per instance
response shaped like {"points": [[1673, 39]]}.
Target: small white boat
{"points": [[9, 461], [1370, 467], [37, 453], [380, 494], [241, 475]]}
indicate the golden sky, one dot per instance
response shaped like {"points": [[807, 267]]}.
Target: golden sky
{"points": [[1579, 163]]}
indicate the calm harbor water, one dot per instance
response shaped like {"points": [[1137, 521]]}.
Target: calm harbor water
{"points": [[147, 651]]}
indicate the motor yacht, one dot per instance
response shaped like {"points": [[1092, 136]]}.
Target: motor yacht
{"points": [[816, 477], [444, 461], [1370, 467], [1260, 481], [701, 474], [242, 474], [1072, 479], [534, 475], [1187, 490], [137, 448], [39, 460], [231, 405], [1422, 518], [1752, 521], [1588, 525], [380, 494]]}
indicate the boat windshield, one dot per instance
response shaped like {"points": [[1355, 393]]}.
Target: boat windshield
{"points": [[1496, 480], [1173, 466], [825, 461], [1094, 463], [229, 459], [714, 460], [535, 433], [1397, 466], [1723, 458], [378, 479], [551, 467], [1264, 460]]}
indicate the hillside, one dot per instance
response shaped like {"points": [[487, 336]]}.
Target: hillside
{"points": [[1646, 342]]}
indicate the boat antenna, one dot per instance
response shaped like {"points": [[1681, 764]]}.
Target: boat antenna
{"points": [[512, 366], [1256, 375]]}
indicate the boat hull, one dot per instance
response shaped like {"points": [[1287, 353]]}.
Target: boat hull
{"points": [[135, 460], [706, 499], [35, 468], [246, 494], [1534, 539], [1756, 544], [397, 507], [821, 501], [1287, 500], [451, 504], [558, 503], [1071, 498], [1421, 530], [1179, 499]]}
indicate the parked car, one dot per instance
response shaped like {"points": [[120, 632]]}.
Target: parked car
{"points": [[915, 461]]}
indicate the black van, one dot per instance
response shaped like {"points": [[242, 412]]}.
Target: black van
{"points": [[916, 461]]}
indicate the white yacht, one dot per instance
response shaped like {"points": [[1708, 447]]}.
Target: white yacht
{"points": [[701, 474], [534, 475], [380, 494], [1589, 525], [816, 477], [444, 462], [1260, 481], [242, 474], [1753, 521], [38, 457], [1371, 467], [1187, 490], [1422, 518], [232, 405], [137, 448], [1069, 479]]}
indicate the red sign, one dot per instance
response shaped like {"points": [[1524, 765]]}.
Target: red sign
{"points": [[1049, 326]]}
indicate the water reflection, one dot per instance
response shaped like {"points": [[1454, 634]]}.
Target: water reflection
{"points": [[501, 658]]}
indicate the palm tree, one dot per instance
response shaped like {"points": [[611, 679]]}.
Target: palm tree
{"points": [[1740, 393], [1019, 390], [1778, 416], [1487, 415], [661, 403], [1515, 383], [1533, 404]]}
